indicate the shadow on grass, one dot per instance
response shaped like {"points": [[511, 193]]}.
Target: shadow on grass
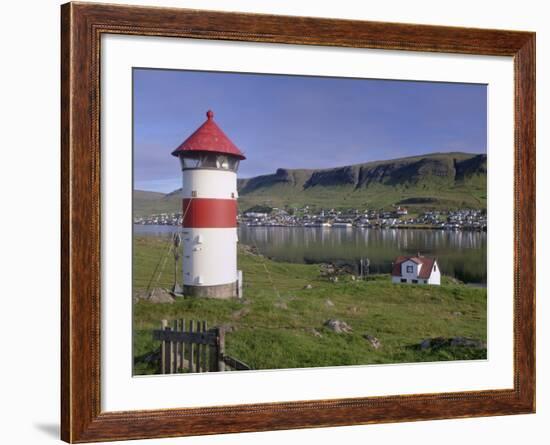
{"points": [[442, 350]]}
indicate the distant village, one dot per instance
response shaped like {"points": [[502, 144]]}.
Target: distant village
{"points": [[260, 216]]}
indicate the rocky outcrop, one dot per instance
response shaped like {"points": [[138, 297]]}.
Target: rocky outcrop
{"points": [[157, 296], [430, 168], [373, 341]]}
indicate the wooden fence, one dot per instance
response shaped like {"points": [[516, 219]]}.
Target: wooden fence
{"points": [[194, 348]]}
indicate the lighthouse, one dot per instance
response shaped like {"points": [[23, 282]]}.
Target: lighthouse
{"points": [[209, 163]]}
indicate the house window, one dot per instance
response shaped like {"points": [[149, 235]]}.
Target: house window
{"points": [[435, 267], [409, 269], [403, 280], [193, 193], [415, 281]]}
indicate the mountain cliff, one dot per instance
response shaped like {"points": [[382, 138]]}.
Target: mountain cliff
{"points": [[438, 180], [444, 179]]}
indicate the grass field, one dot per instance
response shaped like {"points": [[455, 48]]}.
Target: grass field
{"points": [[280, 322]]}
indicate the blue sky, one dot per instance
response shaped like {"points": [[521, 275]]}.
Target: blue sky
{"points": [[299, 121]]}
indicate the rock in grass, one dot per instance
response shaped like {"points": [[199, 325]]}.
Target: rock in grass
{"points": [[308, 286], [338, 326], [137, 296], [374, 342], [329, 303], [158, 295]]}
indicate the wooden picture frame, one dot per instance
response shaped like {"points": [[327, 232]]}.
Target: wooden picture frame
{"points": [[82, 26]]}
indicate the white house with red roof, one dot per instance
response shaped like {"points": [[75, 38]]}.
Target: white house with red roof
{"points": [[401, 211], [416, 270]]}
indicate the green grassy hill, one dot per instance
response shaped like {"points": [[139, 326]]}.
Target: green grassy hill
{"points": [[150, 203], [281, 321], [436, 180], [439, 180]]}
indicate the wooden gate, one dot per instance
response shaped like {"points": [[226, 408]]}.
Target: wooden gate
{"points": [[197, 349]]}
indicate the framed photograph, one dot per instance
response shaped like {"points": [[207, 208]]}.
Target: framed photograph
{"points": [[275, 222]]}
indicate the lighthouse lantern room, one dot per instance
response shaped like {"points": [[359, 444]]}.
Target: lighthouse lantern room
{"points": [[209, 163]]}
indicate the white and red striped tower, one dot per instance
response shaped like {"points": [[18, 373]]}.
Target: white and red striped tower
{"points": [[209, 163]]}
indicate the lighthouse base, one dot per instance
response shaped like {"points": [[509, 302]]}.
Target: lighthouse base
{"points": [[219, 291]]}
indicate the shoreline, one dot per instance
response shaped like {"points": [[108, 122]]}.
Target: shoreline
{"points": [[394, 227]]}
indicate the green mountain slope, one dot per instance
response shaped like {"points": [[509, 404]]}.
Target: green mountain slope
{"points": [[439, 180], [435, 180], [150, 203]]}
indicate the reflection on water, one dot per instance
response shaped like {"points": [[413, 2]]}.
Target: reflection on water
{"points": [[462, 254]]}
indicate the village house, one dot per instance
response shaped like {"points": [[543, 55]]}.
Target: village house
{"points": [[416, 270], [401, 211]]}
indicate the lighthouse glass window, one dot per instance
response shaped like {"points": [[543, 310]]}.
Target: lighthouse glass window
{"points": [[299, 221]]}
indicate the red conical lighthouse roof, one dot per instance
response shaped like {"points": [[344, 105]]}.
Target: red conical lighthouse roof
{"points": [[209, 137]]}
